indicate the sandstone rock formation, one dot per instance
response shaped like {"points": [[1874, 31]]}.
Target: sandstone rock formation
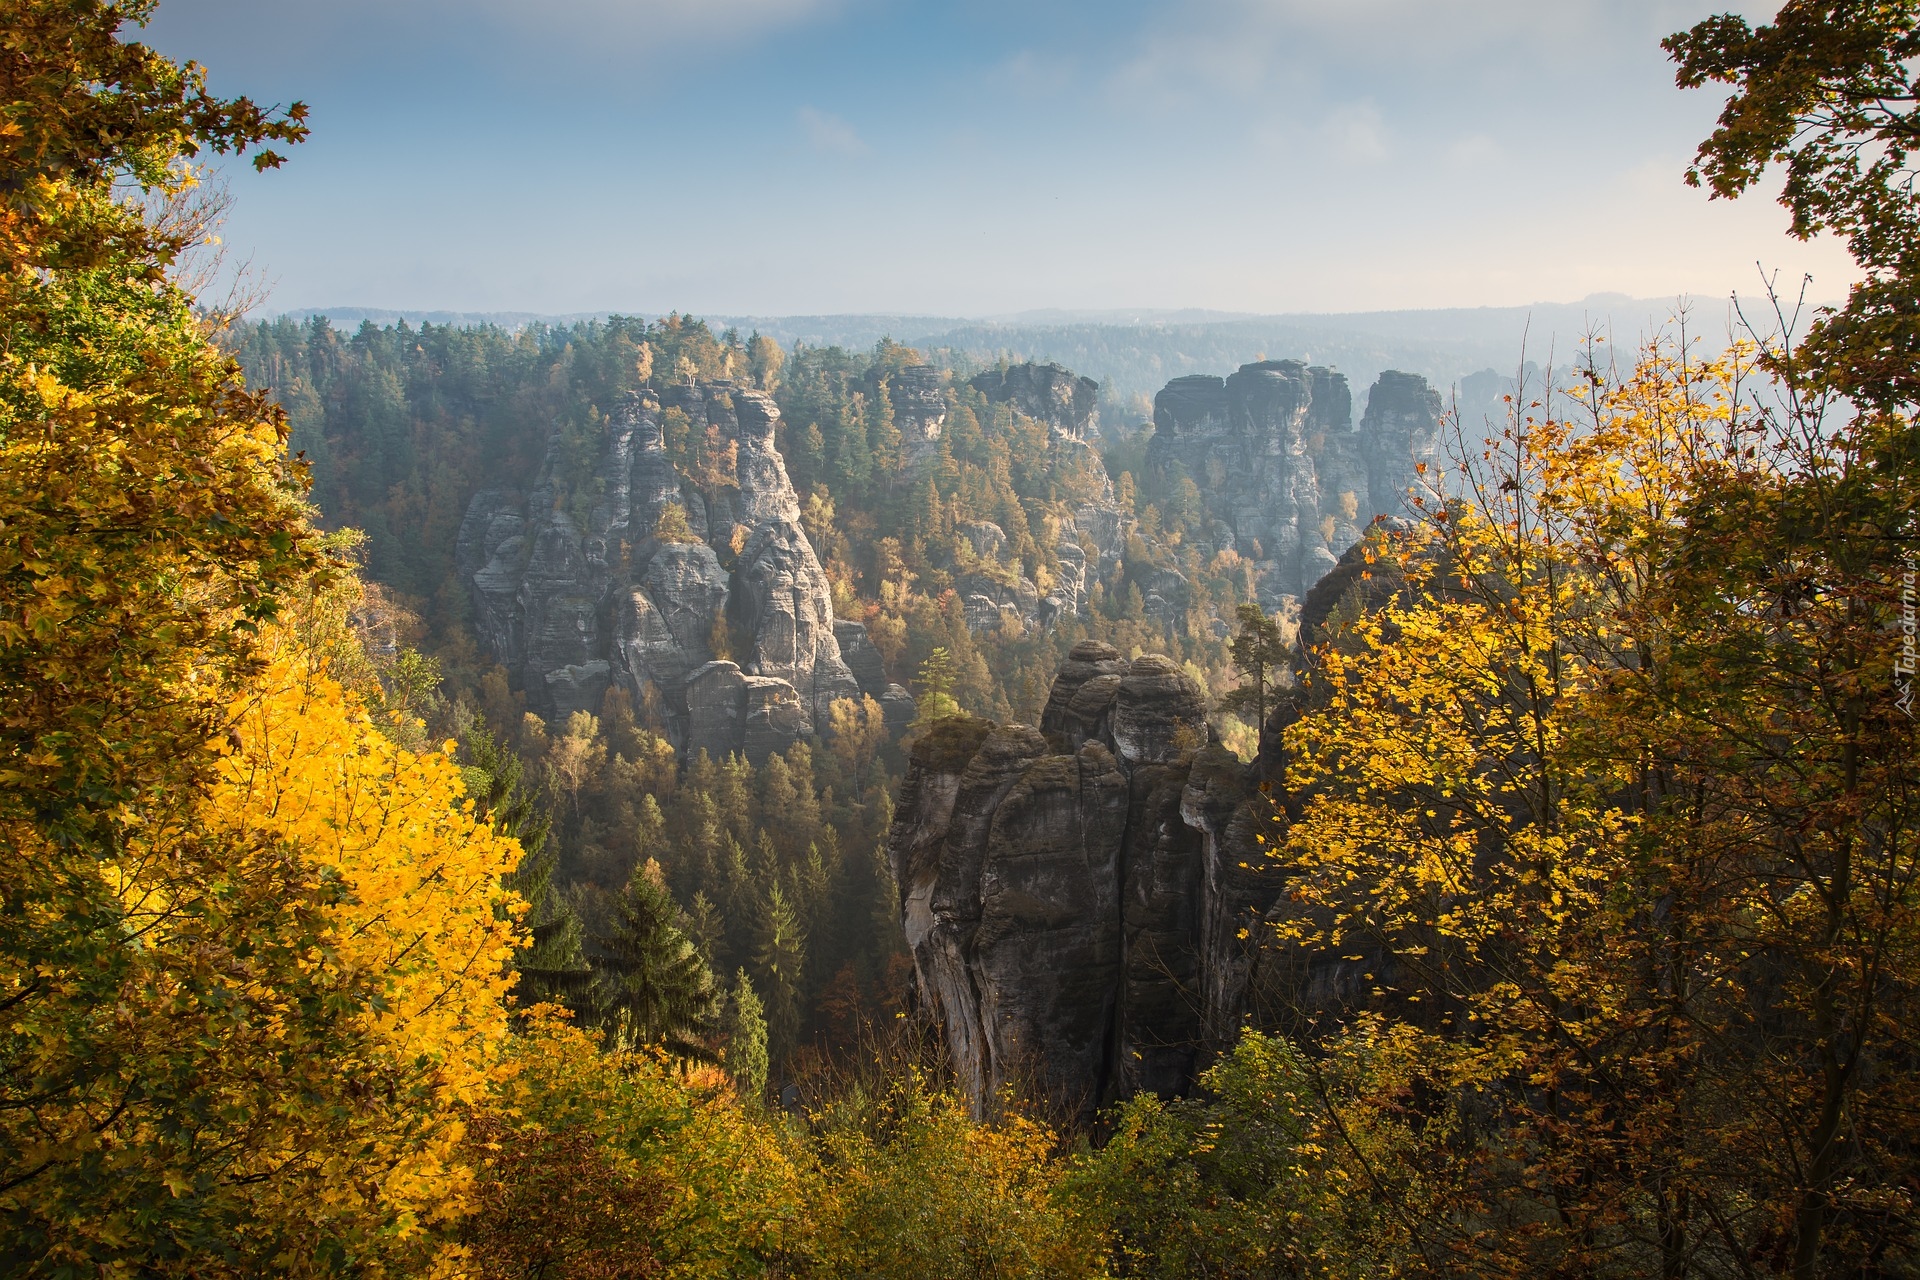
{"points": [[1274, 455], [919, 403], [1073, 894], [720, 622], [1093, 536], [1067, 403]]}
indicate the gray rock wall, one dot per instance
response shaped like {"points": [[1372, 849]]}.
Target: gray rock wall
{"points": [[730, 636], [1092, 537], [919, 402], [1073, 926], [1280, 467], [1067, 403]]}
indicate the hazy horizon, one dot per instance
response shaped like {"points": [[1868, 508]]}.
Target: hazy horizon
{"points": [[980, 158], [1132, 354]]}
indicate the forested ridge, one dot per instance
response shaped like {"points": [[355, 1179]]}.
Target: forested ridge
{"points": [[323, 953], [401, 427]]}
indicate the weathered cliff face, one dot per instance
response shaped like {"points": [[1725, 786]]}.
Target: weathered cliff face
{"points": [[1072, 894], [1066, 402], [724, 630], [1093, 536], [1089, 904], [919, 401], [1277, 463], [1399, 430]]}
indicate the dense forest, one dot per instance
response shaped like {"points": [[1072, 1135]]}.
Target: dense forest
{"points": [[324, 952], [779, 867], [401, 427]]}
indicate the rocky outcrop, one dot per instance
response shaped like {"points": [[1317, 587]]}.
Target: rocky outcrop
{"points": [[1092, 535], [918, 397], [1399, 431], [1274, 458], [704, 601], [1072, 893], [1067, 403]]}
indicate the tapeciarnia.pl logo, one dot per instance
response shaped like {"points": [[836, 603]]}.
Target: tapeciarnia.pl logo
{"points": [[1904, 665]]}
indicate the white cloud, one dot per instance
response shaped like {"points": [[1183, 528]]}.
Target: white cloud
{"points": [[1249, 46], [665, 19], [1031, 72], [1475, 151], [831, 134], [1355, 134], [1350, 135]]}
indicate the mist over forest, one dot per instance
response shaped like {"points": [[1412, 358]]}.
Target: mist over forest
{"points": [[1132, 354]]}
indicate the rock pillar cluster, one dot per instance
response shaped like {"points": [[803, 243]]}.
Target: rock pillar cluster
{"points": [[1092, 537], [700, 596], [1277, 464]]}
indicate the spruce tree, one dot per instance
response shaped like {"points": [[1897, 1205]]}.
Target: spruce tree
{"points": [[553, 964], [652, 985], [745, 1055], [780, 954]]}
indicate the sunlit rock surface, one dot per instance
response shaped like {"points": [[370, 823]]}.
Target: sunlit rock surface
{"points": [[1272, 454], [722, 627]]}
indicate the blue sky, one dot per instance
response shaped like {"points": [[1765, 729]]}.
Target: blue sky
{"points": [[978, 157]]}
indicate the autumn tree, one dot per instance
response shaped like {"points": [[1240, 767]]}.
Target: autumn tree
{"points": [[1827, 91], [556, 1202], [1620, 841], [856, 730], [619, 1163], [672, 526], [765, 359], [912, 1187], [1236, 1181], [168, 1054]]}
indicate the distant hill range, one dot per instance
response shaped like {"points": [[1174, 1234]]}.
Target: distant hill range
{"points": [[1132, 354]]}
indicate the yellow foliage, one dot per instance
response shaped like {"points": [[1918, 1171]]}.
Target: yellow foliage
{"points": [[421, 916], [732, 1201], [917, 1188], [1582, 806]]}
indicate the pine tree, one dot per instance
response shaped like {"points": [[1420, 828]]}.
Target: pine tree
{"points": [[745, 1055], [780, 954], [553, 964], [1261, 653], [653, 986]]}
